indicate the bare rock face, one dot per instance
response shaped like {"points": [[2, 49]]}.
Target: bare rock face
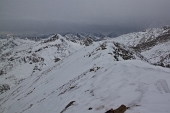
{"points": [[4, 88]]}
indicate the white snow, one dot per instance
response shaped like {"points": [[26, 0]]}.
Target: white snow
{"points": [[132, 39], [96, 81], [22, 52], [157, 52]]}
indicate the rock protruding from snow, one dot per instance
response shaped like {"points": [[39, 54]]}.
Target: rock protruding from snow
{"points": [[88, 41], [4, 88]]}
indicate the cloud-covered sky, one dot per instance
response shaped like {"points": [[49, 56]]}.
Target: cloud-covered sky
{"points": [[53, 16]]}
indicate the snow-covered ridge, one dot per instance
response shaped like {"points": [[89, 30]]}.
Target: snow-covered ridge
{"points": [[93, 78], [58, 75]]}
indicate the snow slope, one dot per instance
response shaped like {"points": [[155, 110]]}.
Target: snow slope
{"points": [[135, 38], [153, 43], [101, 76], [20, 58]]}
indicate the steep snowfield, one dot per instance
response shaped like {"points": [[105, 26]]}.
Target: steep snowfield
{"points": [[96, 77], [20, 58]]}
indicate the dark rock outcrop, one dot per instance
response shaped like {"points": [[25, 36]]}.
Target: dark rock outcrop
{"points": [[88, 41], [120, 109], [4, 88]]}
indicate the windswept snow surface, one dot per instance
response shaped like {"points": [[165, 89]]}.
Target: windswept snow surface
{"points": [[92, 78]]}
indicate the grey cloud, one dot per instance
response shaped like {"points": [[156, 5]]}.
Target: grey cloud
{"points": [[49, 16]]}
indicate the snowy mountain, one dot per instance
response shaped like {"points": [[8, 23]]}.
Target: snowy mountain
{"points": [[34, 37], [94, 79], [74, 36], [59, 75], [20, 58], [153, 43]]}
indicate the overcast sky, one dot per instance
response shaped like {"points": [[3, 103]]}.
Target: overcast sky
{"points": [[53, 16]]}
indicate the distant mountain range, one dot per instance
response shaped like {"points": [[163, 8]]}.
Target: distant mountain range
{"points": [[37, 37]]}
